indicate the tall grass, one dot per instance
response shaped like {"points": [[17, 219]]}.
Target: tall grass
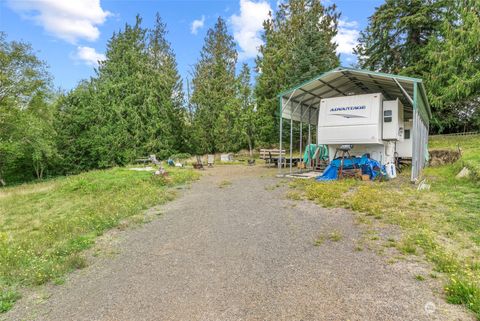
{"points": [[45, 226]]}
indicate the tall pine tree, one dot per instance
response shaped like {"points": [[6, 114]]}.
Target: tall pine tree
{"points": [[214, 93], [247, 121], [397, 33], [132, 108], [298, 45], [165, 94], [453, 69], [436, 40]]}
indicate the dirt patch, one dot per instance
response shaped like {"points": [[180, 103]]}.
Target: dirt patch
{"points": [[444, 156]]}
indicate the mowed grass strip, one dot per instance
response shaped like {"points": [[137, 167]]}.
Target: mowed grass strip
{"points": [[442, 224], [45, 226]]}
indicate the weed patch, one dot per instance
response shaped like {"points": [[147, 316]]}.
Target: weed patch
{"points": [[335, 236], [294, 195], [319, 241], [7, 299], [224, 184], [419, 277]]}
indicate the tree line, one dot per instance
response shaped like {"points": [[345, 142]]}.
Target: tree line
{"points": [[135, 104]]}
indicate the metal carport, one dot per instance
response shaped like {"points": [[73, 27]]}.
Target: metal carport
{"points": [[302, 103]]}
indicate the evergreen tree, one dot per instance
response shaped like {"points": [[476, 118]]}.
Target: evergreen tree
{"points": [[453, 69], [396, 34], [166, 91], [132, 108], [214, 93], [76, 124], [120, 126], [436, 40], [298, 45], [312, 28], [246, 123]]}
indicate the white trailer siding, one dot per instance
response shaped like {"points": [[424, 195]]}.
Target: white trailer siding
{"points": [[351, 120], [393, 120], [404, 148]]}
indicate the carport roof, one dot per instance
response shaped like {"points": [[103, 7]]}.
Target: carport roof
{"points": [[343, 81]]}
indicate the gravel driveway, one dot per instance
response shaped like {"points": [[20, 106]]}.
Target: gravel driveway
{"points": [[234, 248]]}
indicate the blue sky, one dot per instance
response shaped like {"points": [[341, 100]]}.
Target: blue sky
{"points": [[71, 35]]}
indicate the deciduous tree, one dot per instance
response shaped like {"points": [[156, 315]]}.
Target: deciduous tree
{"points": [[27, 137]]}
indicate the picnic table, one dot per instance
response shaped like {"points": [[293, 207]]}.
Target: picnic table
{"points": [[275, 156]]}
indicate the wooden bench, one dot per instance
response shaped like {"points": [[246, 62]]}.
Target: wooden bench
{"points": [[273, 156]]}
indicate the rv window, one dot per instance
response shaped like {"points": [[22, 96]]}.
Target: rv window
{"points": [[387, 119], [407, 134], [387, 113]]}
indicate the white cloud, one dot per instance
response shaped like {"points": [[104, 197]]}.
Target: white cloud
{"points": [[197, 24], [69, 20], [248, 25], [347, 36], [89, 56]]}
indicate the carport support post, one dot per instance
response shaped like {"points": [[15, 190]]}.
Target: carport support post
{"points": [[291, 142], [282, 105], [301, 127], [281, 125], [309, 136], [291, 135]]}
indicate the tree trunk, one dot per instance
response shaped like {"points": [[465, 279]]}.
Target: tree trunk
{"points": [[36, 166], [250, 146]]}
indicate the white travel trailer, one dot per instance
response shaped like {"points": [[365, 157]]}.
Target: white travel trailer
{"points": [[370, 123], [384, 115]]}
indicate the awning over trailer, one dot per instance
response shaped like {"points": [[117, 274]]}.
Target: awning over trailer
{"points": [[301, 103]]}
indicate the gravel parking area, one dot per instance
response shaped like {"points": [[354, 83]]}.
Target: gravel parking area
{"points": [[232, 247]]}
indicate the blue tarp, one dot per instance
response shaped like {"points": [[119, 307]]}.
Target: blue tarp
{"points": [[369, 166]]}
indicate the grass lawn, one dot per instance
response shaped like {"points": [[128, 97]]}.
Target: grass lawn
{"points": [[470, 149], [44, 226], [441, 224]]}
